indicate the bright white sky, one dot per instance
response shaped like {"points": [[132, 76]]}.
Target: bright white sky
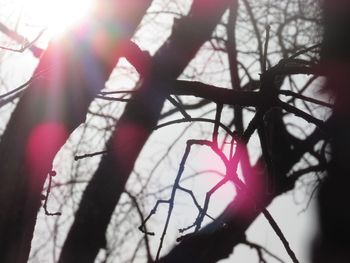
{"points": [[56, 15]]}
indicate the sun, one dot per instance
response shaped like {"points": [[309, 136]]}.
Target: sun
{"points": [[57, 16]]}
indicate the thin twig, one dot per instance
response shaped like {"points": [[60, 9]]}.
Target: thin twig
{"points": [[133, 198], [78, 157], [223, 126], [48, 190], [179, 106], [217, 124], [307, 117], [261, 248], [267, 38], [27, 44], [305, 98]]}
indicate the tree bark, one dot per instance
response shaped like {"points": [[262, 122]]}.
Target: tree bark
{"points": [[333, 242], [69, 75], [87, 234]]}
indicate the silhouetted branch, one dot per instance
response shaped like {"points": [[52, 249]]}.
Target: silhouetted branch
{"points": [[260, 249], [307, 117], [138, 208], [217, 124], [305, 98], [78, 157], [179, 106], [267, 39], [48, 190], [26, 44], [162, 125]]}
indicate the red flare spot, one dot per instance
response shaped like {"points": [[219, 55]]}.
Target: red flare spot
{"points": [[255, 191], [128, 144], [43, 144]]}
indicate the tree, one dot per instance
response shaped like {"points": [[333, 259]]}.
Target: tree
{"points": [[37, 129], [252, 108], [332, 243]]}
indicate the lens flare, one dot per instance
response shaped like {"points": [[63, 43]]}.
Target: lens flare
{"points": [[57, 15], [43, 143]]}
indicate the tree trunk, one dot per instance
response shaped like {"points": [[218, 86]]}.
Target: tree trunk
{"points": [[333, 242], [87, 234]]}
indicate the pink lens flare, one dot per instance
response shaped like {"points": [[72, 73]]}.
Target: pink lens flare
{"points": [[42, 145]]}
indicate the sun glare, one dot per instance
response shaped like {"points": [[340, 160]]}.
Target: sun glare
{"points": [[57, 15]]}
